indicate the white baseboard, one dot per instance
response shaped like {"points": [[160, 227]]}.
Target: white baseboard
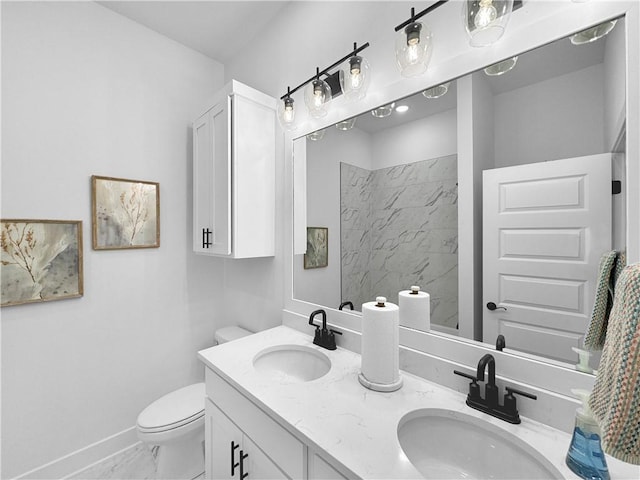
{"points": [[84, 457]]}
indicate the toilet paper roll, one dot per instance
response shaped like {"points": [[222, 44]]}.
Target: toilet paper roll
{"points": [[379, 349], [415, 309]]}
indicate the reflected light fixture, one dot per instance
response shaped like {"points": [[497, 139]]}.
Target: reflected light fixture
{"points": [[286, 112], [502, 67], [317, 96], [346, 124], [354, 76], [594, 33], [383, 111], [317, 135], [402, 108], [486, 20], [436, 92], [413, 46]]}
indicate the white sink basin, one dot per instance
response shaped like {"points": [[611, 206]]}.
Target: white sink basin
{"points": [[292, 363], [447, 444]]}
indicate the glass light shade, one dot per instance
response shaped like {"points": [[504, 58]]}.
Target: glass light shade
{"points": [[383, 111], [501, 67], [485, 20], [317, 135], [413, 49], [354, 78], [437, 92], [287, 114], [594, 33], [317, 96], [346, 124]]}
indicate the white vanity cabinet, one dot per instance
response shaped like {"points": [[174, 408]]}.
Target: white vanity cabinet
{"points": [[272, 452], [232, 454], [234, 175]]}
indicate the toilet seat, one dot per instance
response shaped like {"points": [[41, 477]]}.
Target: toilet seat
{"points": [[176, 409]]}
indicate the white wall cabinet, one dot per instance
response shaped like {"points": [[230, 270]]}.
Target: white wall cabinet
{"points": [[234, 175]]}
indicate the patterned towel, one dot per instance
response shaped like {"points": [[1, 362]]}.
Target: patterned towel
{"points": [[611, 265], [615, 400]]}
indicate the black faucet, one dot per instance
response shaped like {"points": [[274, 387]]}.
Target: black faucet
{"points": [[346, 304], [323, 337], [490, 403]]}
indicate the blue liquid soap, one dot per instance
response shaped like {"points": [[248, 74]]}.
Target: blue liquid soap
{"points": [[585, 456]]}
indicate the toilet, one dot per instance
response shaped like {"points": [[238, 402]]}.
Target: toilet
{"points": [[175, 424]]}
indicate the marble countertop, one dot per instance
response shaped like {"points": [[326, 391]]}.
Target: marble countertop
{"points": [[357, 427]]}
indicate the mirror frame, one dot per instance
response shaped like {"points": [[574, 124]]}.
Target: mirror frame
{"points": [[562, 19]]}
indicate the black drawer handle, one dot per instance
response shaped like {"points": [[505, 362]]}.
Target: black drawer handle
{"points": [[233, 457]]}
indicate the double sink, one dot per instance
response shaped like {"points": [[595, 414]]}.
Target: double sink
{"points": [[439, 443]]}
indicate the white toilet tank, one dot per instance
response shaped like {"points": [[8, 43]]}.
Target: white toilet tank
{"points": [[227, 334]]}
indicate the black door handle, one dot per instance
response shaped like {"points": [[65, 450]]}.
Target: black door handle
{"points": [[492, 306]]}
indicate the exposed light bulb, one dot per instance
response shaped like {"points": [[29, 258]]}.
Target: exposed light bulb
{"points": [[413, 49], [486, 14], [287, 113], [354, 78], [317, 97]]}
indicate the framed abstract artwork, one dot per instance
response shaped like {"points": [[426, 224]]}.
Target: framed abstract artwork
{"points": [[317, 254], [125, 213], [41, 260]]}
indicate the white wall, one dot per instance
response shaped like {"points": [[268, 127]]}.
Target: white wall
{"points": [[431, 137], [558, 118], [614, 88], [86, 91]]}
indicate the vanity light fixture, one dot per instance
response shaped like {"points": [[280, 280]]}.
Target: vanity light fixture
{"points": [[317, 135], [319, 93], [383, 111], [286, 112], [346, 124], [402, 108], [354, 76], [436, 92], [594, 33], [413, 43], [502, 67], [486, 20], [317, 96]]}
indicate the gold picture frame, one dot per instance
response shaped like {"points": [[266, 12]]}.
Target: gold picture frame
{"points": [[125, 214], [317, 255], [41, 261]]}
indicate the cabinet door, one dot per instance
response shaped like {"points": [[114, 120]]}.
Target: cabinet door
{"points": [[320, 469], [256, 465], [212, 181], [223, 445]]}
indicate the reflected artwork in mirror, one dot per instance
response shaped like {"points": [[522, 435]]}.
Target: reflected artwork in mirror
{"points": [[392, 186]]}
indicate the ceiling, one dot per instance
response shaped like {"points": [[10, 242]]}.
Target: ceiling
{"points": [[217, 29]]}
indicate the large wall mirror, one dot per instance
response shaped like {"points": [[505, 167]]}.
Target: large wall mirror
{"points": [[548, 136]]}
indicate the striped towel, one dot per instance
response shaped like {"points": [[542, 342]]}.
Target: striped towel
{"points": [[615, 400], [611, 265]]}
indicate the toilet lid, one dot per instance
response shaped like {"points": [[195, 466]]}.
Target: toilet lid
{"points": [[174, 409]]}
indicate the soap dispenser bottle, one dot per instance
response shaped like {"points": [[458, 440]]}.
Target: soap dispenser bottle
{"points": [[585, 456]]}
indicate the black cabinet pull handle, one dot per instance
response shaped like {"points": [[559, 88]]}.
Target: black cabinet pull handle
{"points": [[234, 464], [243, 455], [492, 306], [207, 237]]}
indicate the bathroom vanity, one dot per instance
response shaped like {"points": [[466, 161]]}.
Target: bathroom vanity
{"points": [[274, 410]]}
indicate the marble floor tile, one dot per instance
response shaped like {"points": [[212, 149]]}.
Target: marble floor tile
{"points": [[135, 463]]}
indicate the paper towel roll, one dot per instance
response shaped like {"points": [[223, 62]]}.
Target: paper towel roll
{"points": [[379, 350], [415, 309]]}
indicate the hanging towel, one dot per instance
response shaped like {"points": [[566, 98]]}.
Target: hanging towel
{"points": [[615, 400], [611, 264]]}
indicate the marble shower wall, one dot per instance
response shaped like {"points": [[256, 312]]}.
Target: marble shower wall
{"points": [[399, 227]]}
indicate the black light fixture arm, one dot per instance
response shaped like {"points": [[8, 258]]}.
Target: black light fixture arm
{"points": [[319, 72], [415, 16]]}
